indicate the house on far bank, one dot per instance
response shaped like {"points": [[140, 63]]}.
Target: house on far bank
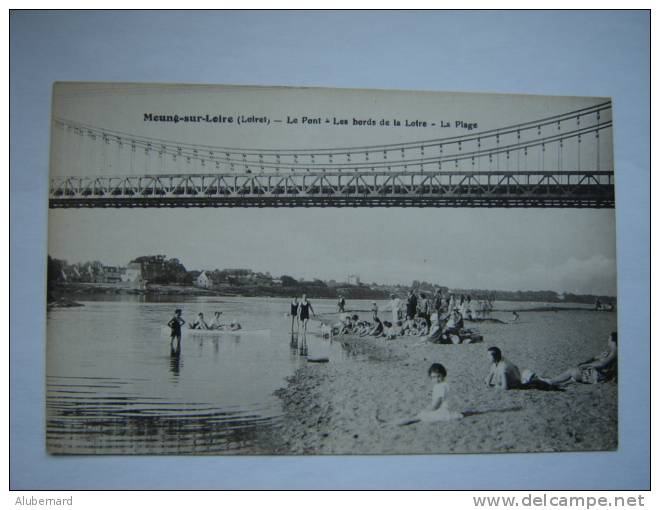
{"points": [[132, 273], [69, 274], [110, 274], [353, 279], [207, 280]]}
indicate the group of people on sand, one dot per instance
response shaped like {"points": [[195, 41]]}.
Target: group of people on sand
{"points": [[434, 318], [177, 321], [352, 325], [505, 375], [299, 313]]}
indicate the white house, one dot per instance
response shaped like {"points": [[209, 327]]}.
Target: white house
{"points": [[132, 273]]}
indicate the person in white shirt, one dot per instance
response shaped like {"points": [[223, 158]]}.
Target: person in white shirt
{"points": [[503, 374], [395, 304]]}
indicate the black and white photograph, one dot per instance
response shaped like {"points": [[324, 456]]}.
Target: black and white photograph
{"points": [[315, 271]]}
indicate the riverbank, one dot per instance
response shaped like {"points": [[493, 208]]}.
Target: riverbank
{"points": [[350, 407]]}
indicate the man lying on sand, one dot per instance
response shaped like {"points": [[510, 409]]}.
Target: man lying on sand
{"points": [[503, 374], [599, 369]]}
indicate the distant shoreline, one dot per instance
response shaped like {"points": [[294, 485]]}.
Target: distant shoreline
{"points": [[68, 292], [76, 290]]}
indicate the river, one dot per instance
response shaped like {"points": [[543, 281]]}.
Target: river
{"points": [[114, 385]]}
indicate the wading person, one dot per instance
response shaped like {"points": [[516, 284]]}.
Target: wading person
{"points": [[294, 313], [305, 307], [175, 324]]}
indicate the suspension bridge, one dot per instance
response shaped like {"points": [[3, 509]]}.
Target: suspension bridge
{"points": [[564, 160]]}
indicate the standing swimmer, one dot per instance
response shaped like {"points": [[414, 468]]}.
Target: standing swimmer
{"points": [[294, 312], [305, 307], [175, 324]]}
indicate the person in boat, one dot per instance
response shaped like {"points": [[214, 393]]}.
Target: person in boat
{"points": [[516, 316], [294, 313], [235, 326], [217, 321], [175, 324], [304, 309], [601, 368], [200, 323], [503, 374]]}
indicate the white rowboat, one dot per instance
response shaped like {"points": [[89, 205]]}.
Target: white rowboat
{"points": [[213, 333]]}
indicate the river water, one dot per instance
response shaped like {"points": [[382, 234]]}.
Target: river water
{"points": [[114, 385]]}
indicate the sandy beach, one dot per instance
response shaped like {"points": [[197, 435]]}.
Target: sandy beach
{"points": [[351, 407]]}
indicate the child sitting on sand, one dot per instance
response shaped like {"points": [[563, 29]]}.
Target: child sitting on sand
{"points": [[439, 409]]}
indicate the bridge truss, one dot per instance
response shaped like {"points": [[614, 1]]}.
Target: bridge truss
{"points": [[365, 189], [558, 161]]}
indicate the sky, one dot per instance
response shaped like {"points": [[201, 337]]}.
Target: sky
{"points": [[566, 250], [569, 250]]}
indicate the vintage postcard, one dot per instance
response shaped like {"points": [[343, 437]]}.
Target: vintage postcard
{"points": [[271, 270]]}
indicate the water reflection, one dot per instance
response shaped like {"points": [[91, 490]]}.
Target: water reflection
{"points": [[303, 345], [82, 423], [175, 359]]}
